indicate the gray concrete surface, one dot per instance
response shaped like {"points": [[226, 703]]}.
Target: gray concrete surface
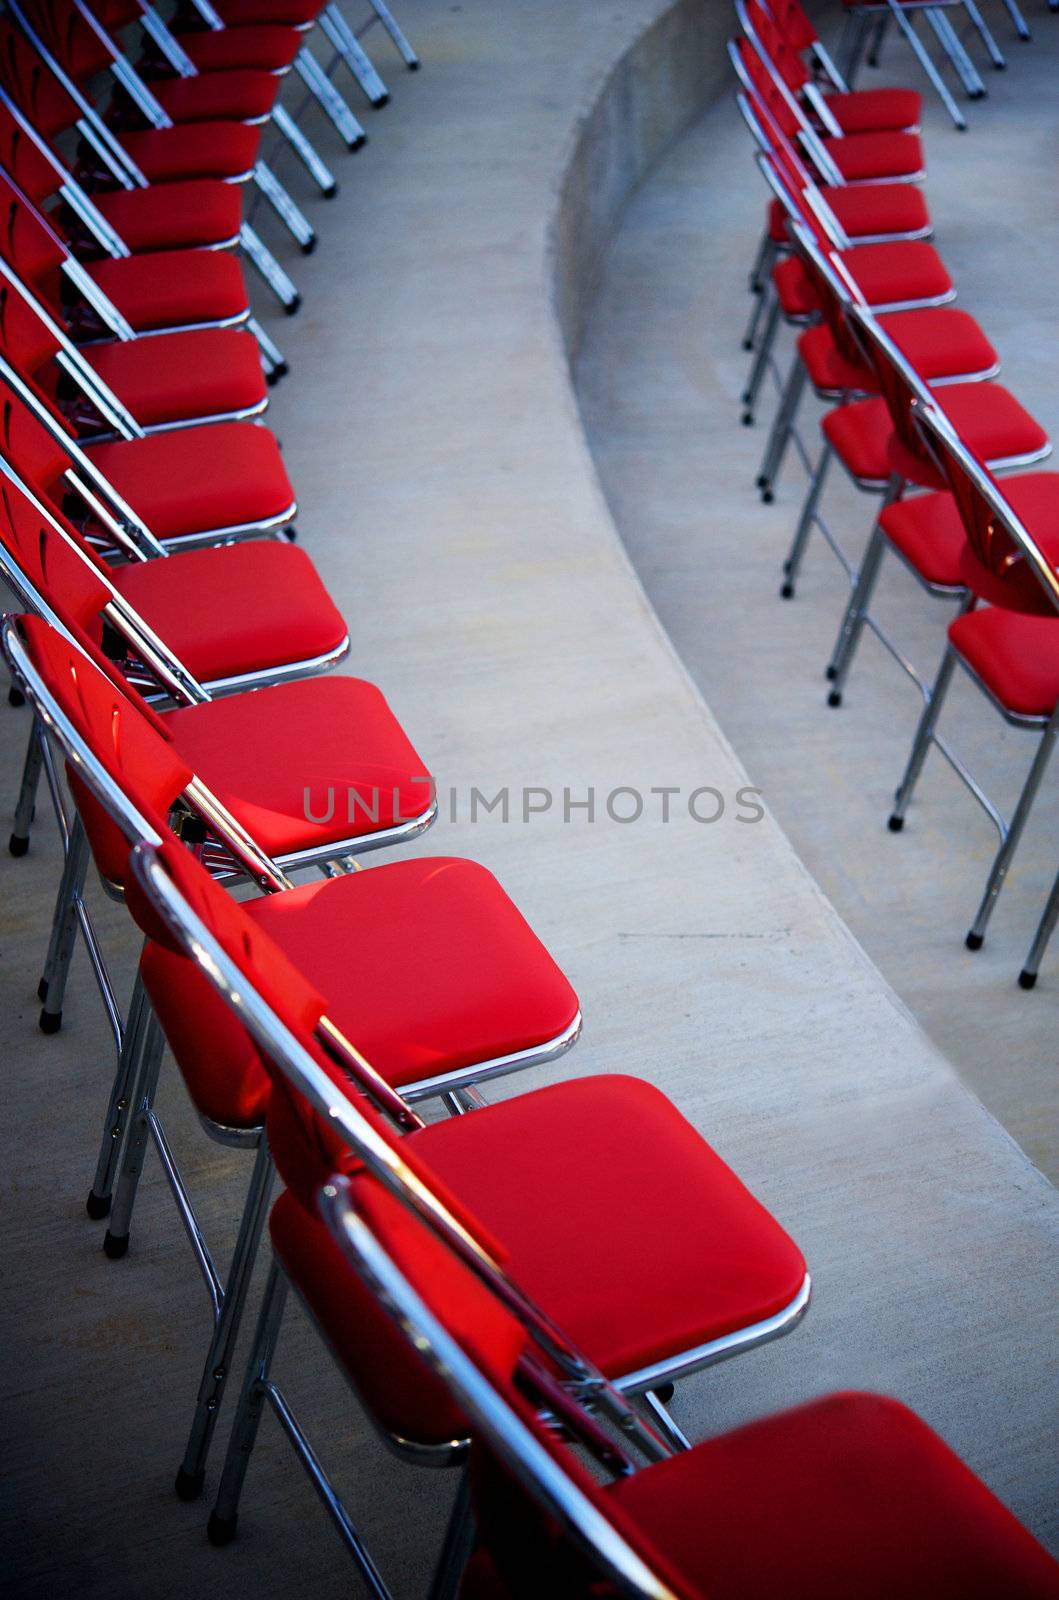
{"points": [[449, 499], [659, 381]]}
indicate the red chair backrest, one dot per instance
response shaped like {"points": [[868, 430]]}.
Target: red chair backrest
{"points": [[32, 85], [774, 43], [30, 449], [767, 91], [27, 246], [994, 565], [795, 25], [63, 31], [21, 160], [130, 745], [25, 341]]}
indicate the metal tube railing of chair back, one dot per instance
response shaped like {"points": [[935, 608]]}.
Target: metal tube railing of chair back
{"points": [[899, 381], [954, 457], [66, 184], [818, 151], [508, 1436], [380, 1155], [73, 269], [149, 107]]}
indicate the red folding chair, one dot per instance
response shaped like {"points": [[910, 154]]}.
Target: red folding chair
{"points": [[1009, 647], [826, 94]]}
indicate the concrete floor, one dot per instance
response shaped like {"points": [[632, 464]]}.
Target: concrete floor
{"points": [[658, 382], [449, 501]]}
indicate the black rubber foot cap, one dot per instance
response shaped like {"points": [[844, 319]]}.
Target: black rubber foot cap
{"points": [[221, 1530], [787, 592], [383, 100], [975, 941], [330, 192], [358, 143], [15, 697], [309, 246], [1027, 980], [829, 673], [414, 66], [835, 697], [50, 1021], [977, 94], [188, 1485], [748, 344], [97, 1205], [767, 497], [115, 1245], [747, 419], [293, 306], [895, 824], [17, 845], [1000, 66]]}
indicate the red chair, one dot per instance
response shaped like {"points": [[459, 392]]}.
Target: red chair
{"points": [[986, 417], [130, 387], [727, 1278], [1009, 647], [823, 88]]}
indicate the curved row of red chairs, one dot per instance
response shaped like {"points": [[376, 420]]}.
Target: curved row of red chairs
{"points": [[515, 1288], [914, 412]]}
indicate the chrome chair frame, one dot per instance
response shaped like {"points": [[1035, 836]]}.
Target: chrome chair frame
{"points": [[866, 24], [937, 430], [658, 1437]]}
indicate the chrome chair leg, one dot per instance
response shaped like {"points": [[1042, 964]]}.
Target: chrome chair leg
{"points": [[758, 277], [760, 362], [782, 428], [353, 53], [1004, 856], [52, 986], [923, 56], [192, 1472], [129, 1064], [859, 601], [290, 214], [1022, 27], [225, 1513], [116, 1241], [922, 741], [26, 805], [877, 37], [306, 152], [949, 40], [458, 1545], [1028, 975], [261, 258], [851, 48], [272, 358], [982, 29], [761, 290], [328, 98], [664, 1422], [401, 44], [805, 523]]}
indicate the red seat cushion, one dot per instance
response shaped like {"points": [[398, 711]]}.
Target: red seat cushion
{"points": [[929, 532], [986, 416], [173, 287], [198, 150], [174, 216], [289, 13], [270, 49], [173, 377], [191, 480], [239, 96], [236, 609], [940, 343], [876, 209], [875, 110], [861, 157], [849, 1495], [888, 274], [275, 756], [654, 1268], [870, 211], [1015, 655], [426, 965]]}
